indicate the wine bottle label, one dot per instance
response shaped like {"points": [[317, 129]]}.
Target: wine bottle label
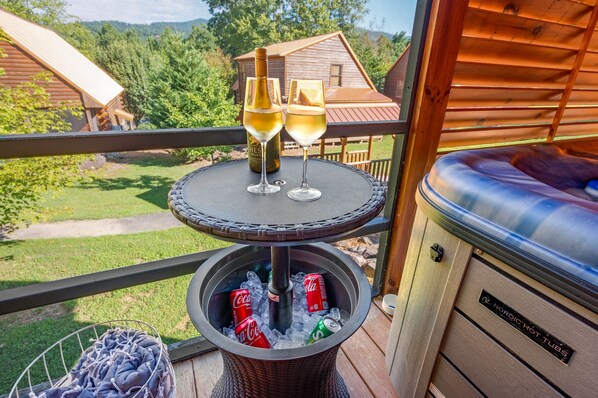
{"points": [[254, 154]]}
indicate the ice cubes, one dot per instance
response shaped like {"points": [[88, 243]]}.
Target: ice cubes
{"points": [[303, 322]]}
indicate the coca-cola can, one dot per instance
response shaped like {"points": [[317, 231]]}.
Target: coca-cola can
{"points": [[240, 304], [315, 290], [248, 332]]}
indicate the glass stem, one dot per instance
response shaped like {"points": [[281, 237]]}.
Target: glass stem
{"points": [[304, 182], [264, 181]]}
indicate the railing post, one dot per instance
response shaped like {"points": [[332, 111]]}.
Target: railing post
{"points": [[343, 149]]}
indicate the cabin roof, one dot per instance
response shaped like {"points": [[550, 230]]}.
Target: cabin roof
{"points": [[359, 112], [60, 57], [350, 94], [285, 48]]}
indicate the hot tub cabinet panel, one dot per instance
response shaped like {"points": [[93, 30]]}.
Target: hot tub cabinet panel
{"points": [[530, 308], [502, 313]]}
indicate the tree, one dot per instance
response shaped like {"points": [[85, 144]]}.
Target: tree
{"points": [[129, 61], [186, 92], [49, 13], [53, 14], [378, 55], [242, 25], [26, 109]]}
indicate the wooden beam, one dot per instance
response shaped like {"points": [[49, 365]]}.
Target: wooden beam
{"points": [[438, 66], [322, 148], [370, 147], [583, 48]]}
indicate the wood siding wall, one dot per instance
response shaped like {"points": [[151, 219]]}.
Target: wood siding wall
{"points": [[314, 63], [395, 79], [246, 68], [523, 73], [20, 66]]}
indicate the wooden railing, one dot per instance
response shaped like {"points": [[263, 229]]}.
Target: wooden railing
{"points": [[379, 168]]}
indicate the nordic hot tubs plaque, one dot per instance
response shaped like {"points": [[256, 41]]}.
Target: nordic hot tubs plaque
{"points": [[531, 330]]}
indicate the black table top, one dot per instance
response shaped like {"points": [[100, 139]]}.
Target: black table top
{"points": [[215, 200]]}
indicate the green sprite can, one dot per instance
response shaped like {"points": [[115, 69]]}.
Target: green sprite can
{"points": [[324, 328]]}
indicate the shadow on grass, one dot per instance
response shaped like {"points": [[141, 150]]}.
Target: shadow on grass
{"points": [[148, 160], [24, 335], [156, 187]]}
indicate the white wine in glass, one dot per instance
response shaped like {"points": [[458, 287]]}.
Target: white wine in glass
{"points": [[262, 117], [306, 122]]}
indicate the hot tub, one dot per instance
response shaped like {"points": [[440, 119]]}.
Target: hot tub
{"points": [[499, 293]]}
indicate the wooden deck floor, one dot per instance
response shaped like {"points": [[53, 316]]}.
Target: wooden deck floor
{"points": [[360, 361]]}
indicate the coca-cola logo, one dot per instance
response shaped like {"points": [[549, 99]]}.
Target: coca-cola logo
{"points": [[250, 333], [311, 285], [242, 300]]}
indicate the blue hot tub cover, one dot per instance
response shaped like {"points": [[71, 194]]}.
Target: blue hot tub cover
{"points": [[531, 199]]}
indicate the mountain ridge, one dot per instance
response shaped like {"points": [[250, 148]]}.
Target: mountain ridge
{"points": [[185, 27]]}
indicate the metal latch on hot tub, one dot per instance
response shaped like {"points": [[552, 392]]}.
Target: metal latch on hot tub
{"points": [[436, 252]]}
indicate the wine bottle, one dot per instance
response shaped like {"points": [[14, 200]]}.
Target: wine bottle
{"points": [[254, 150]]}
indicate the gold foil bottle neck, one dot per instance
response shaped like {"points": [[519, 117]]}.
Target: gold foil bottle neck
{"points": [[261, 62]]}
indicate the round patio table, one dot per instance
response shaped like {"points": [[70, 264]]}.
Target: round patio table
{"points": [[215, 200]]}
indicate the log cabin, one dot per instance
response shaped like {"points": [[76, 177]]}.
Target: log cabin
{"points": [[32, 49], [394, 81], [350, 94]]}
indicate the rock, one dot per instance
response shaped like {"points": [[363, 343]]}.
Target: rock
{"points": [[358, 249], [93, 164], [358, 259], [371, 252]]}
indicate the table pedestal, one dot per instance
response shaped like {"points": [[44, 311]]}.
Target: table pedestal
{"points": [[280, 289]]}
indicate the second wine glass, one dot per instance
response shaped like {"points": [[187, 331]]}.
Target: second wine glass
{"points": [[262, 117], [306, 122]]}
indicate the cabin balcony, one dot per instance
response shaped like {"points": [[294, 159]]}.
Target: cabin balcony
{"points": [[498, 296]]}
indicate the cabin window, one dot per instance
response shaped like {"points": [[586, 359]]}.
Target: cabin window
{"points": [[400, 86], [336, 72], [241, 72]]}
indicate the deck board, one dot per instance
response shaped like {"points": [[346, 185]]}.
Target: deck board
{"points": [[208, 369], [369, 362], [377, 327], [360, 361], [353, 381], [185, 380]]}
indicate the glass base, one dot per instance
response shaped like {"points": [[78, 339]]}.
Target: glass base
{"points": [[259, 189], [304, 194]]}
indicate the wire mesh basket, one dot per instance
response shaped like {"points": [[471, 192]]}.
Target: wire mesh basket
{"points": [[54, 368]]}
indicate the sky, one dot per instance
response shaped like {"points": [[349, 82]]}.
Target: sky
{"points": [[387, 15]]}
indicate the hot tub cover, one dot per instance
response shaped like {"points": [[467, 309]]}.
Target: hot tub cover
{"points": [[531, 199]]}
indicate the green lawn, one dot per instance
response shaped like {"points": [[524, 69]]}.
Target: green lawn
{"points": [[25, 335], [381, 149], [139, 186]]}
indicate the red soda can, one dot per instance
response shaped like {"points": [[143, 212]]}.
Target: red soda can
{"points": [[248, 332], [240, 304], [317, 301]]}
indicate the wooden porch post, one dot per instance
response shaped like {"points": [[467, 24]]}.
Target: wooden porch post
{"points": [[343, 149], [322, 148], [434, 86]]}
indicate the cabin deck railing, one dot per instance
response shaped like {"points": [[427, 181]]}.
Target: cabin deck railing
{"points": [[56, 144]]}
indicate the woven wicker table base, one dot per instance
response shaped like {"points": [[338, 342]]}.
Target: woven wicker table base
{"points": [[313, 376]]}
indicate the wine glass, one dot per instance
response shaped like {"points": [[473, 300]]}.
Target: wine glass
{"points": [[305, 122], [262, 117]]}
